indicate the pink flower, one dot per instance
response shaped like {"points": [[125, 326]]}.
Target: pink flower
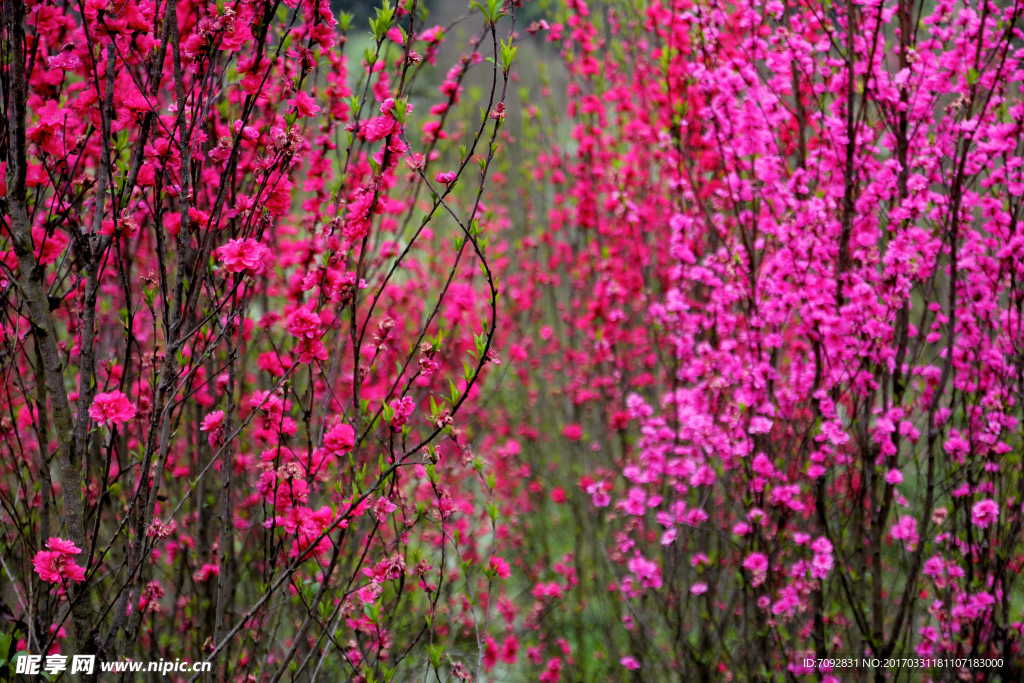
{"points": [[446, 505], [369, 592], [378, 128], [553, 672], [699, 588], [821, 565], [304, 322], [630, 663], [490, 658], [112, 407], [934, 566], [756, 564], [822, 546], [214, 424], [500, 567], [894, 477], [445, 178], [599, 493], [304, 104], [244, 255], [403, 408], [66, 61], [55, 565], [434, 34], [48, 246], [906, 531], [62, 546], [558, 496], [125, 226], [206, 572], [984, 512], [341, 439], [509, 650], [197, 219], [310, 349], [646, 570], [572, 431], [382, 508]]}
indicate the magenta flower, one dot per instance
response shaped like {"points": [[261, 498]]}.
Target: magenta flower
{"points": [[572, 431], [369, 592], [212, 421], [382, 508], [934, 566], [906, 531], [55, 565], [756, 564], [49, 247], [446, 178], [378, 128], [509, 650], [435, 34], [206, 572], [500, 567], [304, 104], [244, 255], [822, 546], [823, 560], [63, 546], [66, 61], [984, 513], [630, 663], [341, 439], [403, 408], [446, 505], [304, 322], [647, 571], [214, 424], [112, 407], [821, 565]]}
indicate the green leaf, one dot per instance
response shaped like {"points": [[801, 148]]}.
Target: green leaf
{"points": [[508, 54], [5, 646]]}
